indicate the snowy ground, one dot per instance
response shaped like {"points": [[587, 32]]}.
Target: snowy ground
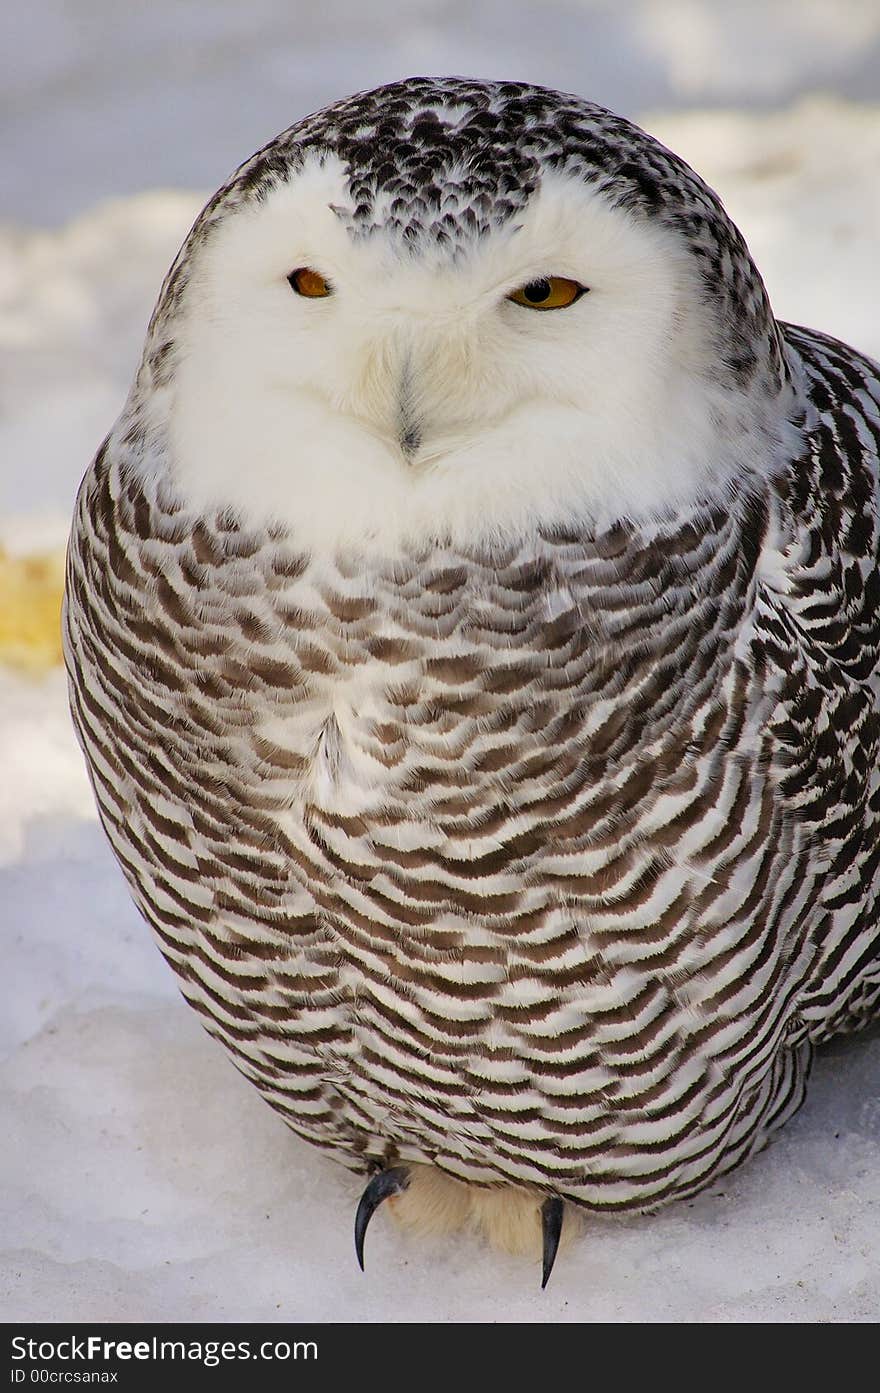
{"points": [[141, 1177]]}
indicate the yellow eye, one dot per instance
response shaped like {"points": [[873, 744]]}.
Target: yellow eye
{"points": [[310, 283], [548, 293]]}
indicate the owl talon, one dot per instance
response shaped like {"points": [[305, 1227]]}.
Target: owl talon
{"points": [[382, 1186], [552, 1214]]}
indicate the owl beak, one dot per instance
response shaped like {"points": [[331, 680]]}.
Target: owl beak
{"points": [[409, 430], [410, 439]]}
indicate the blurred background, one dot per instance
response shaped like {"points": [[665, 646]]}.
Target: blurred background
{"points": [[105, 99], [118, 120]]}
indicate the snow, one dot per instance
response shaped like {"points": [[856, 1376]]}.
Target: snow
{"points": [[142, 1178]]}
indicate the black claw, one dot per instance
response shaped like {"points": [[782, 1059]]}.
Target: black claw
{"points": [[381, 1187], [552, 1214]]}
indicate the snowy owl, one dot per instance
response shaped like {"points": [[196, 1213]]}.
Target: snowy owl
{"points": [[472, 633]]}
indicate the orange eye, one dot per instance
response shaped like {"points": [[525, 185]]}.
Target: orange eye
{"points": [[548, 293], [310, 283]]}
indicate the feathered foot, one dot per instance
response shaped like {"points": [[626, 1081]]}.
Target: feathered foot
{"points": [[431, 1202]]}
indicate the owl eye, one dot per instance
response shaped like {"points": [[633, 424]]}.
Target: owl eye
{"points": [[548, 293], [310, 283]]}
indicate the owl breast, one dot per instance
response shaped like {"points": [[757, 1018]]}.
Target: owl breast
{"points": [[450, 849]]}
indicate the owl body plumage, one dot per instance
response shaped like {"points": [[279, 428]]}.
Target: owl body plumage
{"points": [[543, 855]]}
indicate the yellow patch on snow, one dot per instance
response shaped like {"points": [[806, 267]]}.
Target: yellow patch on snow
{"points": [[31, 588]]}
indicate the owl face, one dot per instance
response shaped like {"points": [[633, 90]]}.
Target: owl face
{"points": [[485, 368]]}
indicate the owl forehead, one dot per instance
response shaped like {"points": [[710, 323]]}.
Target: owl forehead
{"points": [[425, 167], [442, 172], [445, 161]]}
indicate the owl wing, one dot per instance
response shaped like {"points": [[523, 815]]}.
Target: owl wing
{"points": [[817, 628]]}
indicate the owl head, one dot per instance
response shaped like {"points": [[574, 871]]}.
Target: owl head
{"points": [[452, 308]]}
